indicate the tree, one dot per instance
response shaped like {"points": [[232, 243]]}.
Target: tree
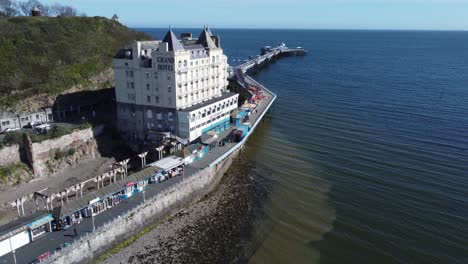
{"points": [[60, 10], [45, 10], [27, 6], [69, 11], [8, 8]]}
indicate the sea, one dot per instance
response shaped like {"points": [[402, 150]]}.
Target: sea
{"points": [[365, 153]]}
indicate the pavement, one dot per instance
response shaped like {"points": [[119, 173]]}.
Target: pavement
{"points": [[82, 171], [51, 241]]}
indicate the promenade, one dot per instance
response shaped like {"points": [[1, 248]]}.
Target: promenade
{"points": [[52, 241]]}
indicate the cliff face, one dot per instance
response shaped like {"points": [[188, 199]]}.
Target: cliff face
{"points": [[45, 56]]}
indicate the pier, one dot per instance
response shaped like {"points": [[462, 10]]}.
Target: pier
{"points": [[268, 55], [90, 232]]}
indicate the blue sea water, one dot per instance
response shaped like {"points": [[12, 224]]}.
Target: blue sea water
{"points": [[367, 148]]}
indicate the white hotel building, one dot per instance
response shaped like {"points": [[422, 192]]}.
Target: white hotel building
{"points": [[172, 87]]}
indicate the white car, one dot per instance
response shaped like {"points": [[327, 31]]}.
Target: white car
{"points": [[11, 129]]}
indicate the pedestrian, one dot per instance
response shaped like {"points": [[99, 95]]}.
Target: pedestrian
{"points": [[74, 230]]}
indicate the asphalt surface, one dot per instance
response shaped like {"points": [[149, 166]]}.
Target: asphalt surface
{"points": [[51, 241]]}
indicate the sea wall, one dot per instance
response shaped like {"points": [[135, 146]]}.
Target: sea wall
{"points": [[190, 190], [9, 155]]}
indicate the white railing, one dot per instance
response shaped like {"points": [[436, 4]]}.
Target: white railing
{"points": [[242, 142]]}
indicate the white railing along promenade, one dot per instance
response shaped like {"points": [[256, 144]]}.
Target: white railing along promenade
{"points": [[254, 125]]}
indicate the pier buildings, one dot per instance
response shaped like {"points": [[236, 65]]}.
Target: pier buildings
{"points": [[172, 88]]}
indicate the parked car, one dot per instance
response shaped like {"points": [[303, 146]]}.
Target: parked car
{"points": [[11, 129], [41, 129]]}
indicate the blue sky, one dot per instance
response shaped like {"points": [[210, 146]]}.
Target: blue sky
{"points": [[307, 14]]}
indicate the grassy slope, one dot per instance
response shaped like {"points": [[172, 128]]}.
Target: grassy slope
{"points": [[49, 55]]}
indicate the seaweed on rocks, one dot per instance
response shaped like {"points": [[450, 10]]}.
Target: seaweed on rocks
{"points": [[217, 229]]}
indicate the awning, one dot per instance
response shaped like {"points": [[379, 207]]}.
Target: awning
{"points": [[168, 163], [40, 222]]}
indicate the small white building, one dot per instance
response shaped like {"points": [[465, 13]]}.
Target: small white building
{"points": [[173, 86], [16, 121]]}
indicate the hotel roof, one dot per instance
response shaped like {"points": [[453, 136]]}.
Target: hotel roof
{"points": [[206, 40], [173, 43]]}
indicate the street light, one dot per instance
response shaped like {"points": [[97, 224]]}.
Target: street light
{"points": [[92, 219], [12, 251]]}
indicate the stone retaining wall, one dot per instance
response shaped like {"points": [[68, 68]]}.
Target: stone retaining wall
{"points": [[190, 190], [9, 155], [40, 151]]}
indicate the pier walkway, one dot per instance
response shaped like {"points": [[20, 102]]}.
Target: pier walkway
{"points": [[269, 56], [50, 242]]}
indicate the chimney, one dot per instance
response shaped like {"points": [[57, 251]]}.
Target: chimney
{"points": [[217, 41]]}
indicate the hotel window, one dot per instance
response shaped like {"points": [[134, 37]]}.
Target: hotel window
{"points": [[131, 73], [168, 77], [156, 99], [132, 85], [169, 89], [127, 74], [191, 63], [149, 114], [179, 64], [147, 86], [196, 63], [185, 63], [147, 75], [155, 75], [148, 99]]}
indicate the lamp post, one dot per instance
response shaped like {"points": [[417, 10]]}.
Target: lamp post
{"points": [[92, 220], [144, 198], [12, 251]]}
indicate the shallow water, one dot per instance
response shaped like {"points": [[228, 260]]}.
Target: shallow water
{"points": [[367, 147]]}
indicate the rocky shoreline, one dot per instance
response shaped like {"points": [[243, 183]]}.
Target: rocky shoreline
{"points": [[216, 229]]}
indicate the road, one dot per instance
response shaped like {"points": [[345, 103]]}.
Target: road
{"points": [[51, 241]]}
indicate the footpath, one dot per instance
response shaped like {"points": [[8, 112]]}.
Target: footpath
{"points": [[55, 240]]}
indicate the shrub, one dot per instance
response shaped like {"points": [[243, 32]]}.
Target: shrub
{"points": [[51, 54], [14, 172], [14, 137]]}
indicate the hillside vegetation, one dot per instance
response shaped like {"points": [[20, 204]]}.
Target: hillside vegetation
{"points": [[48, 55]]}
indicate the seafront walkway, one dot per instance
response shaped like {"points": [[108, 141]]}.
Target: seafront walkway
{"points": [[53, 240]]}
